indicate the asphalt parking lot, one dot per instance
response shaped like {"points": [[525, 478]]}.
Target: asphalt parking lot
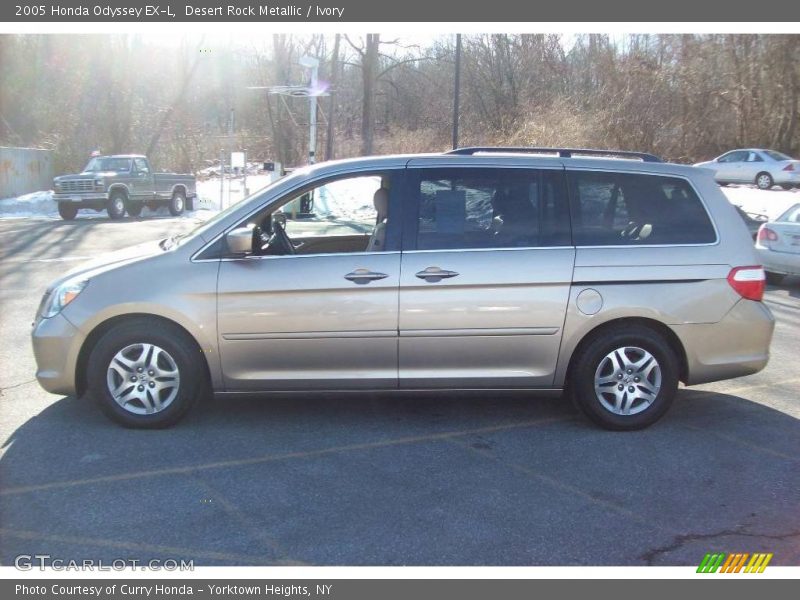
{"points": [[446, 479]]}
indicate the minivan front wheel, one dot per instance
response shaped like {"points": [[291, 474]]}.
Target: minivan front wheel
{"points": [[145, 374], [624, 379]]}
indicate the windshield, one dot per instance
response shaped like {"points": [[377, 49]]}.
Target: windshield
{"points": [[107, 163], [777, 155], [790, 216]]}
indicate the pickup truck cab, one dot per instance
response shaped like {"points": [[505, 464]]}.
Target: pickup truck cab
{"points": [[122, 183]]}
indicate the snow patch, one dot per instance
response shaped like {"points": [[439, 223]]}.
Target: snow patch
{"points": [[771, 203], [34, 204]]}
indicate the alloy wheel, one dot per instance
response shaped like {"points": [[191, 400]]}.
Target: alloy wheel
{"points": [[627, 380], [143, 378]]}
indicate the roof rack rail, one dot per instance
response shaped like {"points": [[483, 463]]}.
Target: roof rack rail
{"points": [[562, 152]]}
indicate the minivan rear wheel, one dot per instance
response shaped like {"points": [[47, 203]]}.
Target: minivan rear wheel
{"points": [[145, 374], [625, 378]]}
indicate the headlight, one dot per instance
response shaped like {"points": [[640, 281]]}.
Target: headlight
{"points": [[57, 185], [61, 296]]}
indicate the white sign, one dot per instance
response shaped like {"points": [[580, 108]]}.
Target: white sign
{"points": [[237, 160]]}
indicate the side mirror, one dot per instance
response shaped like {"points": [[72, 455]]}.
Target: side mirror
{"points": [[240, 241]]}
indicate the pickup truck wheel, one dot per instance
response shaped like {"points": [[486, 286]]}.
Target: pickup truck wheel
{"points": [[177, 203], [116, 205], [134, 208], [67, 211], [145, 374]]}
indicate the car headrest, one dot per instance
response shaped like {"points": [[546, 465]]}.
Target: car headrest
{"points": [[381, 202]]}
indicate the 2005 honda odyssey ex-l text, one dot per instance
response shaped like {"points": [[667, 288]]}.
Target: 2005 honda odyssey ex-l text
{"points": [[609, 275]]}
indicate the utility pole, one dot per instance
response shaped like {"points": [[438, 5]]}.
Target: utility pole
{"points": [[221, 178], [311, 91], [457, 90], [311, 62], [230, 149]]}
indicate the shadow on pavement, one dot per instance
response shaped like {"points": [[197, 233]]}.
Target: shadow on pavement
{"points": [[395, 479]]}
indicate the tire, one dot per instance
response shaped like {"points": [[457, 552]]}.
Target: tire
{"points": [[115, 207], [127, 354], [764, 181], [67, 211], [134, 208], [177, 203], [593, 367], [774, 278]]}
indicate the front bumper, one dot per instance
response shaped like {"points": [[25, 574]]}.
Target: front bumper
{"points": [[737, 345], [56, 345], [80, 197]]}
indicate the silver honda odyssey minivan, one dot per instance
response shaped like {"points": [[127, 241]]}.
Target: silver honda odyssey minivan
{"points": [[610, 276]]}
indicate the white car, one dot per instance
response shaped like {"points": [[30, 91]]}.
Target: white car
{"points": [[778, 245], [765, 168]]}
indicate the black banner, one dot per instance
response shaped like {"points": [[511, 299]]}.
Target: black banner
{"points": [[298, 11]]}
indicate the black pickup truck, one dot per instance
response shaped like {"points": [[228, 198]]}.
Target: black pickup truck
{"points": [[122, 183]]}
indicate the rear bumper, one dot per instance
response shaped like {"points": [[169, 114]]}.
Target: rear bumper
{"points": [[737, 345], [56, 344], [792, 177], [784, 263]]}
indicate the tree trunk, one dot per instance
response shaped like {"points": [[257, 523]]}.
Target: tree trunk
{"points": [[329, 155], [369, 68], [178, 99]]}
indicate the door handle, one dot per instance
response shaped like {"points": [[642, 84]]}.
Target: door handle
{"points": [[363, 276], [434, 274]]}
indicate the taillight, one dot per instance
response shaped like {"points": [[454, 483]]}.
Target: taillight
{"points": [[765, 234], [748, 282], [789, 167]]}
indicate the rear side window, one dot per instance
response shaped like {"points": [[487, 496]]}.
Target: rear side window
{"points": [[737, 156], [610, 209], [491, 208]]}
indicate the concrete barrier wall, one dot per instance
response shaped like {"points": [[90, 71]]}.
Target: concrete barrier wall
{"points": [[25, 170]]}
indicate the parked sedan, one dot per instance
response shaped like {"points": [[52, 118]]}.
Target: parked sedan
{"points": [[765, 168], [778, 245]]}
